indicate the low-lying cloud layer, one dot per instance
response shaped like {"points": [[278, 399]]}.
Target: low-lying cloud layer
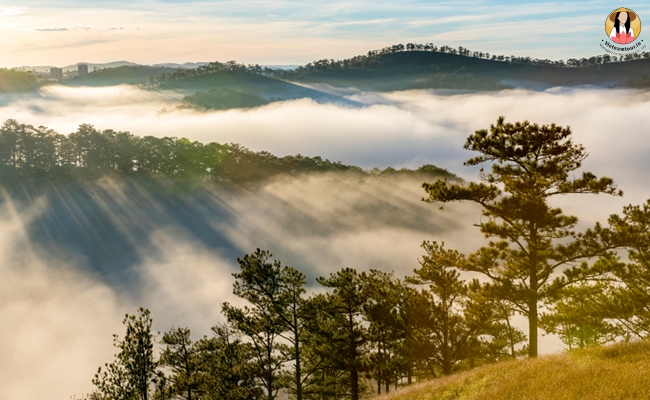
{"points": [[176, 256], [56, 321], [400, 129]]}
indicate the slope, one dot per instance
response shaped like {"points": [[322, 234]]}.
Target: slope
{"points": [[248, 83], [222, 99], [619, 371]]}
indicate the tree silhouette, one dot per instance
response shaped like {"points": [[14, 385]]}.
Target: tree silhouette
{"points": [[184, 359], [530, 164], [259, 282], [135, 367], [347, 334], [452, 333]]}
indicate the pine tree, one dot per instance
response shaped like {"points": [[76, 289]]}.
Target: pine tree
{"points": [[183, 358], [578, 317], [259, 282], [382, 292], [343, 332], [534, 241], [231, 370], [134, 371], [451, 333], [629, 302]]}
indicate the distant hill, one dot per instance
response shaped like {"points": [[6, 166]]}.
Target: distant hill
{"points": [[115, 64], [91, 66], [74, 67], [183, 65], [393, 68], [222, 99], [282, 66], [428, 69], [244, 82], [619, 371], [126, 74], [15, 81]]}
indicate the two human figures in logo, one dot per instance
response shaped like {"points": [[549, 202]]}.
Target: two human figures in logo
{"points": [[622, 32]]}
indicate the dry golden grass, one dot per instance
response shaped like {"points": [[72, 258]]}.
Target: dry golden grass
{"points": [[620, 371]]}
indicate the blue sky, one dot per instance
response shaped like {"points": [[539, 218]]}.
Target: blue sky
{"points": [[291, 31]]}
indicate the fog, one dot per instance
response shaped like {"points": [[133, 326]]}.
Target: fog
{"points": [[56, 321], [66, 288]]}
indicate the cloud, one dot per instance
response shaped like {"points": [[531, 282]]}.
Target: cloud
{"points": [[8, 11], [185, 284], [80, 28], [61, 314], [289, 32], [57, 322], [399, 129]]}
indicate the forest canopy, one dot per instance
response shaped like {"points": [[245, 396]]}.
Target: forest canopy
{"points": [[16, 81], [39, 152]]}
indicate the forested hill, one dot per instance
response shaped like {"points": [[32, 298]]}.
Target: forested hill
{"points": [[420, 69], [397, 67], [15, 81], [28, 152], [101, 195], [238, 78], [412, 67]]}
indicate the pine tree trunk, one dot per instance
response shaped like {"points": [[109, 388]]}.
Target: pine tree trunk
{"points": [[298, 372], [532, 300], [354, 384], [379, 368], [532, 328]]}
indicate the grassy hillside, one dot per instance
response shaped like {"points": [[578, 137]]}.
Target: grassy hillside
{"points": [[620, 371]]}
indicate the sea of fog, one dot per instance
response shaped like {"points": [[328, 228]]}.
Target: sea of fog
{"points": [[59, 308]]}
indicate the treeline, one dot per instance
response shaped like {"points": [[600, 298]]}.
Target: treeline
{"points": [[374, 59], [363, 332], [15, 81], [221, 99], [183, 73], [369, 332], [38, 152]]}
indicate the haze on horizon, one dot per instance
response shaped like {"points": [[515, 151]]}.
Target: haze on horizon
{"points": [[36, 32]]}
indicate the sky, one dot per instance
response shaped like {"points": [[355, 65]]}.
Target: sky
{"points": [[268, 32]]}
